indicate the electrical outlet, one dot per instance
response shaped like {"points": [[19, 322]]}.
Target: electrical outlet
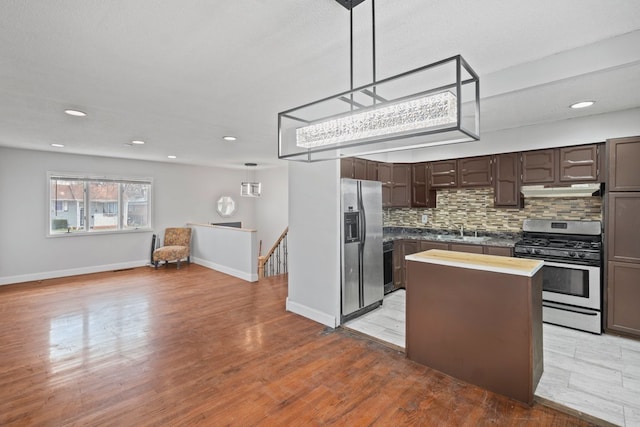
{"points": [[425, 218]]}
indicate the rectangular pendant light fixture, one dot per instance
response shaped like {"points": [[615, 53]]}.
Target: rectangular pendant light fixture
{"points": [[431, 105], [250, 189]]}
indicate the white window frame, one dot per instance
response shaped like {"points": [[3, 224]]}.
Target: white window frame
{"points": [[86, 179]]}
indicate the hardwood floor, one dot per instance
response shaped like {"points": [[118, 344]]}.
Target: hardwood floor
{"points": [[194, 346], [593, 375]]}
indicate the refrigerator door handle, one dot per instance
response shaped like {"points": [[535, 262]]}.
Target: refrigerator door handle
{"points": [[363, 215]]}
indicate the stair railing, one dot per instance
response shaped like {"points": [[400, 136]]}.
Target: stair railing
{"points": [[275, 261]]}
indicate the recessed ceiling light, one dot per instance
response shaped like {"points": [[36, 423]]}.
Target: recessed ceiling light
{"points": [[57, 145], [582, 104], [76, 113], [171, 157], [229, 138], [137, 142]]}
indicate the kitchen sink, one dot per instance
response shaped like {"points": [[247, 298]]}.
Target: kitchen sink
{"points": [[473, 239], [454, 238]]}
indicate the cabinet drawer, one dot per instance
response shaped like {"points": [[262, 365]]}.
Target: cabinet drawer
{"points": [[474, 249]]}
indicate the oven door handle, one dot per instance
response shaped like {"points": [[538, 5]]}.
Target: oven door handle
{"points": [[571, 266]]}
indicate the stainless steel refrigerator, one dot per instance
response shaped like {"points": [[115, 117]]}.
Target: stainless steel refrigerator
{"points": [[362, 266]]}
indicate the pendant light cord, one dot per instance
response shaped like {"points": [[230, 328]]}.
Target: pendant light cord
{"points": [[373, 50], [373, 47], [351, 55]]}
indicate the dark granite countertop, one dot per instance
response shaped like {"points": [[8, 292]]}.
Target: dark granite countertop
{"points": [[506, 239]]}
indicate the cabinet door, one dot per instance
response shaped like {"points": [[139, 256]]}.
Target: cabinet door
{"points": [[579, 164], [443, 174], [372, 170], [623, 302], [346, 168], [359, 168], [408, 247], [475, 172], [426, 245], [624, 156], [539, 167], [401, 185], [398, 263], [459, 247], [421, 195], [498, 250], [384, 176], [623, 227], [507, 180]]}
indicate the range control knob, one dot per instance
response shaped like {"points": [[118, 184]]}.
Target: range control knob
{"points": [[581, 255], [537, 251], [573, 254]]}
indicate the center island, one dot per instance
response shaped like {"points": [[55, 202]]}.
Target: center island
{"points": [[477, 318]]}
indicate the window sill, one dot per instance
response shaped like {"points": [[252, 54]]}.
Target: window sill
{"points": [[100, 233]]}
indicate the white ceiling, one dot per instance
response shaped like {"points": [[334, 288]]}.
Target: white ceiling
{"points": [[180, 75]]}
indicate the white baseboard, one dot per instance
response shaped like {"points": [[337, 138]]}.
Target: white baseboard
{"points": [[312, 313], [7, 280], [249, 277]]}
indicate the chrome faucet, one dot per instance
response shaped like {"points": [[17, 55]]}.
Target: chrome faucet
{"points": [[461, 227]]}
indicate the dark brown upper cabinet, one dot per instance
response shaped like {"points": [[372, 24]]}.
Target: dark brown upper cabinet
{"points": [[359, 168], [562, 166], [624, 161], [401, 185], [579, 163], [372, 170], [346, 168], [396, 184], [539, 167], [475, 172], [443, 174], [507, 181], [421, 195], [384, 176], [356, 168]]}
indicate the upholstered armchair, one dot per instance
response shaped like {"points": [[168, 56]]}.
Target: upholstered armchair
{"points": [[177, 246]]}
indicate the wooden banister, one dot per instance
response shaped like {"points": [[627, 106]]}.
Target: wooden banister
{"points": [[279, 265]]}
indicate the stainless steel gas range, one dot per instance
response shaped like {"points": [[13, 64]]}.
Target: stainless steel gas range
{"points": [[572, 285]]}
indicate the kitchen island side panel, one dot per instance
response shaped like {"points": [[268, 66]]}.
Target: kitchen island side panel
{"points": [[478, 326]]}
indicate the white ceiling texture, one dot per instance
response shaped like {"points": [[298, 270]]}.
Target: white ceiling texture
{"points": [[182, 74]]}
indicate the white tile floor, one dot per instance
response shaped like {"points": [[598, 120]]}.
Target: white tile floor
{"points": [[595, 374]]}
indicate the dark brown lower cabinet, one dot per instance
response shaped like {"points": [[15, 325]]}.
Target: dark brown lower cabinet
{"points": [[460, 247], [498, 250], [402, 248], [623, 314]]}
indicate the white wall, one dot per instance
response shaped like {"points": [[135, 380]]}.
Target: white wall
{"points": [[314, 239], [272, 208], [181, 194]]}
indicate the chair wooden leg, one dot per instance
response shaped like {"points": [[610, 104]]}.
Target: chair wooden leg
{"points": [[155, 265], [189, 259], [178, 267]]}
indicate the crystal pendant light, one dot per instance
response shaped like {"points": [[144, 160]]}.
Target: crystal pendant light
{"points": [[431, 105]]}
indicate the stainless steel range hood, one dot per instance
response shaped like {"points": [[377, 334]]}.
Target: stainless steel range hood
{"points": [[575, 190]]}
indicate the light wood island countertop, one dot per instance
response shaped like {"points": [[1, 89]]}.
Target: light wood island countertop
{"points": [[497, 264]]}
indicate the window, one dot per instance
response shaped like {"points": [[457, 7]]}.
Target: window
{"points": [[112, 204]]}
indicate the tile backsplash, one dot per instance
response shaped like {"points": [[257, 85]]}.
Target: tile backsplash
{"points": [[474, 209]]}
